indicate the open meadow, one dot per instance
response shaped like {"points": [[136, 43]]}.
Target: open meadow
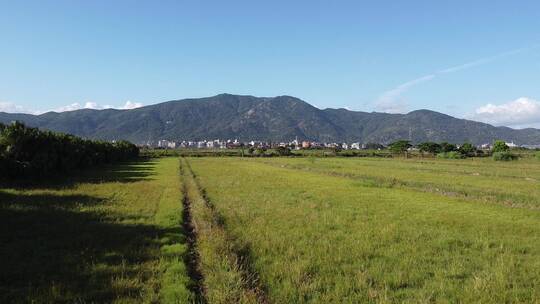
{"points": [[340, 230], [277, 230]]}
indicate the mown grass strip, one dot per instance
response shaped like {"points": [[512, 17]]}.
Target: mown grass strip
{"points": [[176, 284], [192, 259], [224, 262]]}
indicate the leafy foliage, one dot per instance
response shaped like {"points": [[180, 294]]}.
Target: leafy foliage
{"points": [[446, 147], [467, 149], [430, 147], [373, 146], [277, 119], [29, 152], [451, 155], [500, 146], [400, 146], [504, 156], [283, 151]]}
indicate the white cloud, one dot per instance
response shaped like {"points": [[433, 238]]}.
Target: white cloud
{"points": [[70, 107], [95, 106], [392, 102], [91, 105], [131, 105], [10, 107], [520, 113]]}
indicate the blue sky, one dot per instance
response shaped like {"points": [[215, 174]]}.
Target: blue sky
{"points": [[475, 59]]}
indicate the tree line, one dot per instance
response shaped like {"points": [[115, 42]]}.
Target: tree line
{"points": [[500, 150], [32, 153]]}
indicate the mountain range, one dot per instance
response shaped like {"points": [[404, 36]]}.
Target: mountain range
{"points": [[280, 118]]}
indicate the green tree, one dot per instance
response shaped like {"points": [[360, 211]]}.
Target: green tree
{"points": [[500, 146], [373, 146], [283, 151], [430, 147], [446, 147], [28, 152], [400, 146], [467, 149]]}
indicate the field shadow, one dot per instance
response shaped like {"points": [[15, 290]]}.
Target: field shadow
{"points": [[125, 172], [53, 248]]}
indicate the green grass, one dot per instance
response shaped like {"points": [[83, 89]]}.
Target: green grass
{"points": [[225, 277], [514, 184], [111, 235], [321, 238], [277, 230]]}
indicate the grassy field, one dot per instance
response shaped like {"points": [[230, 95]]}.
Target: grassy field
{"points": [[277, 230], [515, 184], [111, 235], [316, 237]]}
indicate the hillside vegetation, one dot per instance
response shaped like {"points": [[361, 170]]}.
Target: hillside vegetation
{"points": [[279, 118]]}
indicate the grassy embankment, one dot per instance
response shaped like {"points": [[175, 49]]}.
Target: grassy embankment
{"points": [[112, 235], [326, 239]]}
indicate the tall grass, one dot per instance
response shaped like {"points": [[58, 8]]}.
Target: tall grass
{"points": [[514, 184], [317, 238]]}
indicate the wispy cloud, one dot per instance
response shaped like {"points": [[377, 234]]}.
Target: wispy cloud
{"points": [[95, 106], [391, 101], [10, 107], [131, 105]]}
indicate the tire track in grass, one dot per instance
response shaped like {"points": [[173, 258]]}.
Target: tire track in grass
{"points": [[226, 263], [192, 260]]}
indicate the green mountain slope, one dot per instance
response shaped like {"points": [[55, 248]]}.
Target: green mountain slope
{"points": [[279, 118]]}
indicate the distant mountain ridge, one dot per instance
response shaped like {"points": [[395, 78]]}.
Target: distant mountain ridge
{"points": [[280, 118]]}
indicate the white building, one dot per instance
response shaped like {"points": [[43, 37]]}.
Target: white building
{"points": [[356, 146]]}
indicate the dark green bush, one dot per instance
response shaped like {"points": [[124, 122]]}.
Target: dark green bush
{"points": [[29, 152], [450, 155], [504, 156]]}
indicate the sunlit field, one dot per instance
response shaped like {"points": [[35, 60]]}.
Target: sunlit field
{"points": [[277, 230], [326, 231], [516, 184]]}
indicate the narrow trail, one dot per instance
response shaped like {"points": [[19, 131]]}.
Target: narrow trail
{"points": [[192, 260], [238, 254]]}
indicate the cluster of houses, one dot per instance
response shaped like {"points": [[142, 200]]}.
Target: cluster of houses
{"points": [[233, 144], [294, 144]]}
